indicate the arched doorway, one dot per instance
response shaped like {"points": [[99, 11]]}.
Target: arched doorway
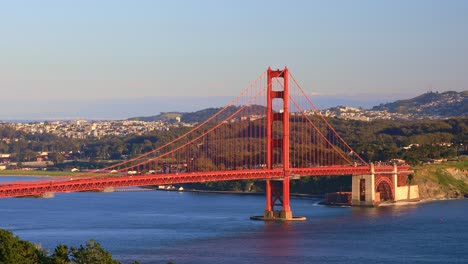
{"points": [[384, 187]]}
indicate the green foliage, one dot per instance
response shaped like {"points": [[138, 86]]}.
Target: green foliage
{"points": [[25, 146], [91, 253], [202, 115], [237, 186], [447, 180], [15, 250], [56, 157], [374, 141], [442, 175], [384, 140], [61, 255], [305, 185], [321, 185], [410, 178], [450, 107], [97, 164]]}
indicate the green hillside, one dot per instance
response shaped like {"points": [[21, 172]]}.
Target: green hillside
{"points": [[202, 115], [444, 104]]}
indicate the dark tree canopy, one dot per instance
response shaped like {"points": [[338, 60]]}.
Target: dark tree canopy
{"points": [[15, 250]]}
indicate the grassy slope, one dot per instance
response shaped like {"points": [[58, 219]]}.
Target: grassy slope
{"points": [[447, 180]]}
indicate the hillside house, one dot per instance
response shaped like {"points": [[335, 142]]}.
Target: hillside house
{"points": [[43, 156], [5, 158]]}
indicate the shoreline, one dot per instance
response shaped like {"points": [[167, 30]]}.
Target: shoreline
{"points": [[420, 201], [300, 195]]}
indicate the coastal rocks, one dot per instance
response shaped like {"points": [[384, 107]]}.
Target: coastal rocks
{"points": [[458, 174]]}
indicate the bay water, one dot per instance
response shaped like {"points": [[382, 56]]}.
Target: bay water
{"points": [[184, 227]]}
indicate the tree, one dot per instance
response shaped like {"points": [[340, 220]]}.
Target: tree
{"points": [[61, 255], [91, 253], [29, 155], [56, 157], [409, 180], [14, 250]]}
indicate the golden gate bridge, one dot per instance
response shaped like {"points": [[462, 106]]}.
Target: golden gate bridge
{"points": [[271, 131]]}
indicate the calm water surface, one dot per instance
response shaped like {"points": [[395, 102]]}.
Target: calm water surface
{"points": [[158, 226]]}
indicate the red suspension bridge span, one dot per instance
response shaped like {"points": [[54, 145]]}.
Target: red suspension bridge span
{"points": [[271, 131]]}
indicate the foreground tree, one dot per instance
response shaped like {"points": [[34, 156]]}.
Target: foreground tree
{"points": [[60, 255], [14, 250], [91, 253]]}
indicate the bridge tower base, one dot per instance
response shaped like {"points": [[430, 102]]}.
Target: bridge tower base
{"points": [[277, 195]]}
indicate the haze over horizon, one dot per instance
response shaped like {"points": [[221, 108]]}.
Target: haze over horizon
{"points": [[119, 59], [118, 109]]}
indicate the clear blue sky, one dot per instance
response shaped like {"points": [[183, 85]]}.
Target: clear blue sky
{"points": [[67, 50]]}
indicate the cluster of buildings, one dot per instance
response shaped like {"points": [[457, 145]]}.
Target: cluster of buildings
{"points": [[444, 103], [41, 158], [86, 129], [353, 113]]}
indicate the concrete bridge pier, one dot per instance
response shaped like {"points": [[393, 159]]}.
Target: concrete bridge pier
{"points": [[108, 189], [395, 181], [371, 189], [363, 189], [48, 195]]}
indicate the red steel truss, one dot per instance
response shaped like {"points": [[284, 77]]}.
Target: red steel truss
{"points": [[99, 183]]}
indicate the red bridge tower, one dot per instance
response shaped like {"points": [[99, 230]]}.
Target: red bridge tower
{"points": [[277, 190]]}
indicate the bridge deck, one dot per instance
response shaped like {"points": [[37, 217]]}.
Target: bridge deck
{"points": [[100, 182]]}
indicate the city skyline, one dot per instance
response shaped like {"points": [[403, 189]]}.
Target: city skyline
{"points": [[63, 59]]}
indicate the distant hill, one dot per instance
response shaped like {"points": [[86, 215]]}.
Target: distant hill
{"points": [[164, 116], [202, 115], [433, 105], [446, 104]]}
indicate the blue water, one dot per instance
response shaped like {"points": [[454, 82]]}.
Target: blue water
{"points": [[159, 226]]}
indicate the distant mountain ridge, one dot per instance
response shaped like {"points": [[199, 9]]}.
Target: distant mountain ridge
{"points": [[201, 115], [445, 104], [432, 105]]}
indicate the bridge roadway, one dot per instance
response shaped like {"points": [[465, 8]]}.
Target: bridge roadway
{"points": [[100, 182]]}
